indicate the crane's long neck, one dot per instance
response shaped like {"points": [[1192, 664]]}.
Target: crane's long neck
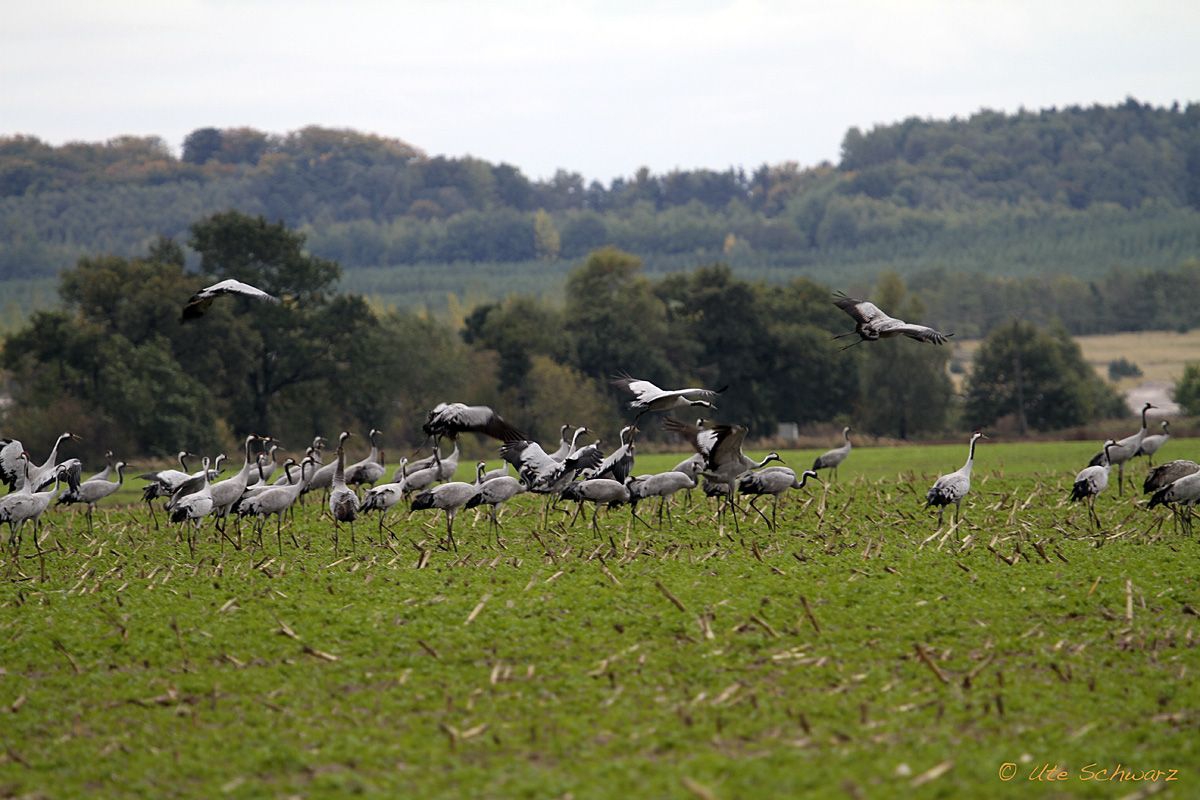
{"points": [[764, 462], [970, 456], [479, 473], [339, 472], [575, 439], [846, 436], [53, 457], [374, 456], [120, 472], [1144, 410]]}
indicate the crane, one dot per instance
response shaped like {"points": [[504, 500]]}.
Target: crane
{"points": [[1124, 450], [954, 487], [370, 469], [26, 505], [274, 500], [1185, 492], [773, 481], [1165, 474], [323, 477], [198, 303], [724, 461], [227, 492], [661, 485], [647, 397], [1091, 481], [93, 490], [39, 475], [596, 490], [451, 419], [1152, 443], [165, 482], [493, 492], [619, 465], [871, 324], [194, 507], [449, 497], [832, 459], [343, 502]]}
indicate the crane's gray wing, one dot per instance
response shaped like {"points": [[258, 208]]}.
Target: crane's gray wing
{"points": [[10, 466], [201, 300], [728, 445], [863, 311], [922, 333]]}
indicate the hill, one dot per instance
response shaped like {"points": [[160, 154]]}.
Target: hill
{"points": [[1073, 191]]}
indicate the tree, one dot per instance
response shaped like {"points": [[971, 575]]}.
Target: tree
{"points": [[545, 235], [1038, 378], [1187, 391]]}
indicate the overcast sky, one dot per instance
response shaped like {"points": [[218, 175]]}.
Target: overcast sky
{"points": [[599, 88]]}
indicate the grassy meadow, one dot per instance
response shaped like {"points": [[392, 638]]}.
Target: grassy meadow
{"points": [[856, 651]]}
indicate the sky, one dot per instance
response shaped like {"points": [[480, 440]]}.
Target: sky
{"points": [[598, 88]]}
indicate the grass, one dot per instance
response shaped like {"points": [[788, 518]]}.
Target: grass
{"points": [[854, 652]]}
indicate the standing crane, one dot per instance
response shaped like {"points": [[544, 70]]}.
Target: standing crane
{"points": [[27, 505], [832, 459], [370, 469], [165, 482], [39, 475], [661, 485], [1091, 481], [773, 481], [493, 492], [93, 490], [954, 487], [1152, 443], [449, 497], [227, 492], [323, 477], [274, 500], [343, 502], [596, 490], [1124, 450], [1183, 492]]}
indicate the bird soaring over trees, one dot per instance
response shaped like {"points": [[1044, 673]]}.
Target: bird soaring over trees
{"points": [[873, 324], [201, 300]]}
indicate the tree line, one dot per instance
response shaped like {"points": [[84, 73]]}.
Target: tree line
{"points": [[115, 365], [1073, 190]]}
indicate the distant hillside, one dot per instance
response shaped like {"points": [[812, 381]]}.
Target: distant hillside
{"points": [[1072, 191]]}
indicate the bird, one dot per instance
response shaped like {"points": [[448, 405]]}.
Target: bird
{"points": [[274, 500], [451, 419], [323, 477], [564, 445], [773, 481], [343, 502], [26, 505], [40, 475], [449, 497], [446, 467], [691, 466], [227, 492], [724, 461], [954, 487], [596, 490], [1124, 450], [872, 324], [1091, 481], [619, 465], [493, 492], [164, 482], [382, 497], [370, 469], [1165, 474], [265, 466], [109, 466], [661, 485], [832, 459], [201, 300], [194, 507], [93, 490], [499, 472], [542, 474], [1184, 491], [1152, 443], [647, 397]]}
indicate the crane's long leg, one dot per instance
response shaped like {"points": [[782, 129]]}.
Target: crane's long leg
{"points": [[1121, 479], [279, 531], [774, 510], [449, 528], [754, 505]]}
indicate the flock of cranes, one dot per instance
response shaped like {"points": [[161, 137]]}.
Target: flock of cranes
{"points": [[575, 470]]}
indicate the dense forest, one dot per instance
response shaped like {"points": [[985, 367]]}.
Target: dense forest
{"points": [[114, 363], [1075, 192]]}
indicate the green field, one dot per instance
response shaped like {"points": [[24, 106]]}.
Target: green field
{"points": [[855, 652]]}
